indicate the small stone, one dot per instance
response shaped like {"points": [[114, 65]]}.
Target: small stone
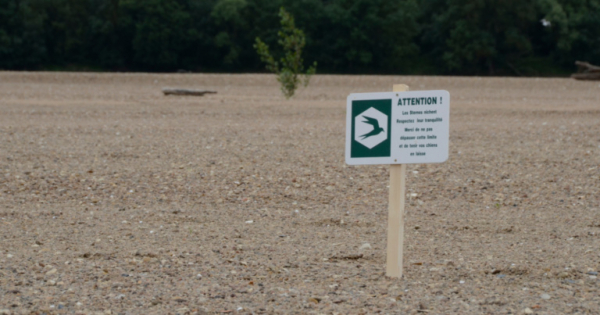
{"points": [[592, 273], [365, 246], [249, 222], [9, 256], [51, 272], [545, 296], [4, 312], [527, 311]]}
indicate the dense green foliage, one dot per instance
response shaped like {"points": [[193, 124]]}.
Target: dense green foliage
{"points": [[291, 65], [496, 37]]}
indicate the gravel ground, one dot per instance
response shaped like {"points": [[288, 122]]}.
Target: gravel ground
{"points": [[115, 199]]}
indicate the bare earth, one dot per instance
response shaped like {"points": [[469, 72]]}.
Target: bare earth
{"points": [[115, 199]]}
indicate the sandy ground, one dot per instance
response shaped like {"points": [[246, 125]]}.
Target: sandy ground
{"points": [[115, 199]]}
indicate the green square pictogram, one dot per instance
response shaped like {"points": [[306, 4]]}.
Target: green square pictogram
{"points": [[371, 128]]}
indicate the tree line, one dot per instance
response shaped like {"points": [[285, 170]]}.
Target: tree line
{"points": [[459, 37]]}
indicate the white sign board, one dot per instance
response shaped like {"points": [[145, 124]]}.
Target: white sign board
{"points": [[397, 127]]}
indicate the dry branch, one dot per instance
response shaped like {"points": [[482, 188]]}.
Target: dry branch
{"points": [[586, 71], [586, 67], [168, 91]]}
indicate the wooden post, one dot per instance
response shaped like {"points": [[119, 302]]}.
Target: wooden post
{"points": [[397, 195]]}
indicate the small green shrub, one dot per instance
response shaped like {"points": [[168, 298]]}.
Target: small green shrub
{"points": [[290, 66]]}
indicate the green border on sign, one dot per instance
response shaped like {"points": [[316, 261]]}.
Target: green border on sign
{"points": [[383, 149]]}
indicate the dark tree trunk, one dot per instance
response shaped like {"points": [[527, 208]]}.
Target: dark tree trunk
{"points": [[167, 91]]}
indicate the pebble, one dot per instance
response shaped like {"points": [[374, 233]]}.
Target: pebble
{"points": [[545, 296], [249, 221], [592, 273], [365, 246], [527, 311], [9, 256], [51, 272]]}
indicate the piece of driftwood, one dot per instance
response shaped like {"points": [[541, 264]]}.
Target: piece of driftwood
{"points": [[168, 91], [586, 71]]}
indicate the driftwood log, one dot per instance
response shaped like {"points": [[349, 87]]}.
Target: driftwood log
{"points": [[168, 91], [586, 71]]}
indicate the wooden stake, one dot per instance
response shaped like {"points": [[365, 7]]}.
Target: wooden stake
{"points": [[397, 195]]}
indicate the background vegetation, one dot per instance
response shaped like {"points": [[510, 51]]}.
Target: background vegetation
{"points": [[464, 37]]}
